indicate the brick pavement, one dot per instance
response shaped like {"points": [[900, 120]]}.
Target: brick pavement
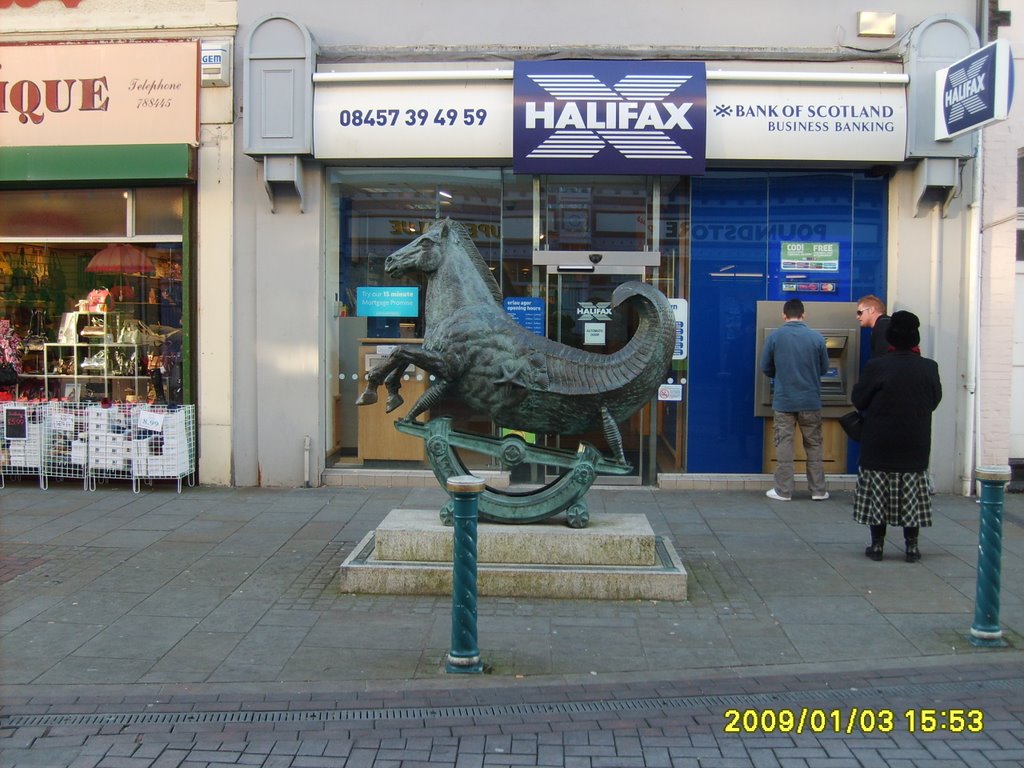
{"points": [[160, 630], [926, 715]]}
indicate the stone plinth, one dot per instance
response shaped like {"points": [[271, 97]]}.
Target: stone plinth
{"points": [[617, 557]]}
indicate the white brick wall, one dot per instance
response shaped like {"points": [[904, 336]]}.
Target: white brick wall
{"points": [[1001, 376]]}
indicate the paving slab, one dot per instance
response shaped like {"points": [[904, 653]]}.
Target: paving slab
{"points": [[191, 603]]}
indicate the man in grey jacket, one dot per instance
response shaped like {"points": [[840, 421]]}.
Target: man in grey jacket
{"points": [[795, 357]]}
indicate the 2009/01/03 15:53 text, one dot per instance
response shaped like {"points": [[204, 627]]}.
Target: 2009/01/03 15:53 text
{"points": [[856, 719]]}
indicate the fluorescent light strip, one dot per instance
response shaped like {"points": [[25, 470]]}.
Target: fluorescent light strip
{"points": [[412, 74], [409, 75]]}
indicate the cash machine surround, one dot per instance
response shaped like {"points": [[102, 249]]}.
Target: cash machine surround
{"points": [[837, 322]]}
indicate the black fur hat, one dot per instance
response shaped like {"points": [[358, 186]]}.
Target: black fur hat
{"points": [[903, 331]]}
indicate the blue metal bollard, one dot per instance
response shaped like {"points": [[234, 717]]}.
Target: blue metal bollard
{"points": [[464, 656], [985, 631]]}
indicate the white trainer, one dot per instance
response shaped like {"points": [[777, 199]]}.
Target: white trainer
{"points": [[773, 494], [820, 496]]}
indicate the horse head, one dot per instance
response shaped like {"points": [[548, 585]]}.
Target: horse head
{"points": [[444, 240], [423, 254]]}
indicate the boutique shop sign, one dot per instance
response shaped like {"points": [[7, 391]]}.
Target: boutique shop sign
{"points": [[803, 116], [99, 94]]}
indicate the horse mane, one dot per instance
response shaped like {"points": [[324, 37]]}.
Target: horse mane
{"points": [[475, 258]]}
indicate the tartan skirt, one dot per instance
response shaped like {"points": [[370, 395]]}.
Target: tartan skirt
{"points": [[892, 498]]}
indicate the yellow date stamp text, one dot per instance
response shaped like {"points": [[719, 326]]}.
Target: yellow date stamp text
{"points": [[853, 720]]}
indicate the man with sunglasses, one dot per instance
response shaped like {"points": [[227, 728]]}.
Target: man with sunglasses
{"points": [[871, 314]]}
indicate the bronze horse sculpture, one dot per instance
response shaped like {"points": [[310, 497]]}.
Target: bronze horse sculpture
{"points": [[523, 381]]}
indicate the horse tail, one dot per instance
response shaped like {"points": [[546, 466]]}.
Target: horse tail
{"points": [[645, 359]]}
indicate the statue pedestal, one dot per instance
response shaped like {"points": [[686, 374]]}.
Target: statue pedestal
{"points": [[616, 557]]}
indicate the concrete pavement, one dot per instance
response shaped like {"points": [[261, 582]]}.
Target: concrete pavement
{"points": [[213, 614]]}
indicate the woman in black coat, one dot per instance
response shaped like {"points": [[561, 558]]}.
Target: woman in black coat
{"points": [[897, 394]]}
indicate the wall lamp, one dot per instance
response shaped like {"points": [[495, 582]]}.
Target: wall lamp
{"points": [[876, 24]]}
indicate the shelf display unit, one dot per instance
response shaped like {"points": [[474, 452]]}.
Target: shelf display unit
{"points": [[96, 364], [109, 366]]}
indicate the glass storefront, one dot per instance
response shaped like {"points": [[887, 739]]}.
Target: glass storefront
{"points": [[374, 212], [715, 237], [93, 283]]}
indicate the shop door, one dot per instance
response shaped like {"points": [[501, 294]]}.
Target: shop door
{"points": [[580, 315]]}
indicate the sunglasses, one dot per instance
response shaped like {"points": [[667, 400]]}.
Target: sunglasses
{"points": [[861, 312]]}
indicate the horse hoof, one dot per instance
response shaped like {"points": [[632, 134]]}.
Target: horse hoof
{"points": [[369, 397], [393, 402]]}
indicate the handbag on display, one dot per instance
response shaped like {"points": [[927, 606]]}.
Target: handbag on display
{"points": [[99, 300], [36, 337], [8, 375], [96, 328], [134, 331], [852, 424], [123, 292]]}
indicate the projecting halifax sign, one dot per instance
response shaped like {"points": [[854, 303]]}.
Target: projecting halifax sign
{"points": [[974, 91], [609, 117]]}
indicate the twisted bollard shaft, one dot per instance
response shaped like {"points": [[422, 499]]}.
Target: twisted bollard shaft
{"points": [[464, 656], [985, 631]]}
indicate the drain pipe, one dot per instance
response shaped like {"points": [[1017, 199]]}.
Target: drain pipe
{"points": [[305, 460], [971, 441]]}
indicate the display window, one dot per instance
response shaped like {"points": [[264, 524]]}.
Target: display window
{"points": [[93, 290]]}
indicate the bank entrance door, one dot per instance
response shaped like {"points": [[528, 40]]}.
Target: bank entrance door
{"points": [[578, 287]]}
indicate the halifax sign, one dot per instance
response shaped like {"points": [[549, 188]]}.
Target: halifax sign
{"points": [[973, 92], [609, 117]]}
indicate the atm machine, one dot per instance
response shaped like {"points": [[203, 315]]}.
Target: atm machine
{"points": [[837, 322]]}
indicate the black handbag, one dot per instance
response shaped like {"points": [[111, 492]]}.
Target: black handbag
{"points": [[8, 375], [852, 424]]}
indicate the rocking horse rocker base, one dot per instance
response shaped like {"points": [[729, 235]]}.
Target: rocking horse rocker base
{"points": [[565, 494]]}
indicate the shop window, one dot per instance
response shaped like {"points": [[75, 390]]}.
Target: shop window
{"points": [[376, 212], [594, 213], [64, 213], [99, 308], [158, 210]]}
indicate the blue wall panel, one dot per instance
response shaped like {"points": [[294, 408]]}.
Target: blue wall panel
{"points": [[728, 230], [738, 222]]}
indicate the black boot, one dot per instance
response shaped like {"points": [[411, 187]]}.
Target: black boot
{"points": [[910, 539], [877, 540]]}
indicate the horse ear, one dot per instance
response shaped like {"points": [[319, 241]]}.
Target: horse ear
{"points": [[439, 229]]}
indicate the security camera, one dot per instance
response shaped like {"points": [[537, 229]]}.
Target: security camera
{"points": [[595, 258]]}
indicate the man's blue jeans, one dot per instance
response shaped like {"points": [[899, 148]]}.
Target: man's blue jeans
{"points": [[810, 432]]}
